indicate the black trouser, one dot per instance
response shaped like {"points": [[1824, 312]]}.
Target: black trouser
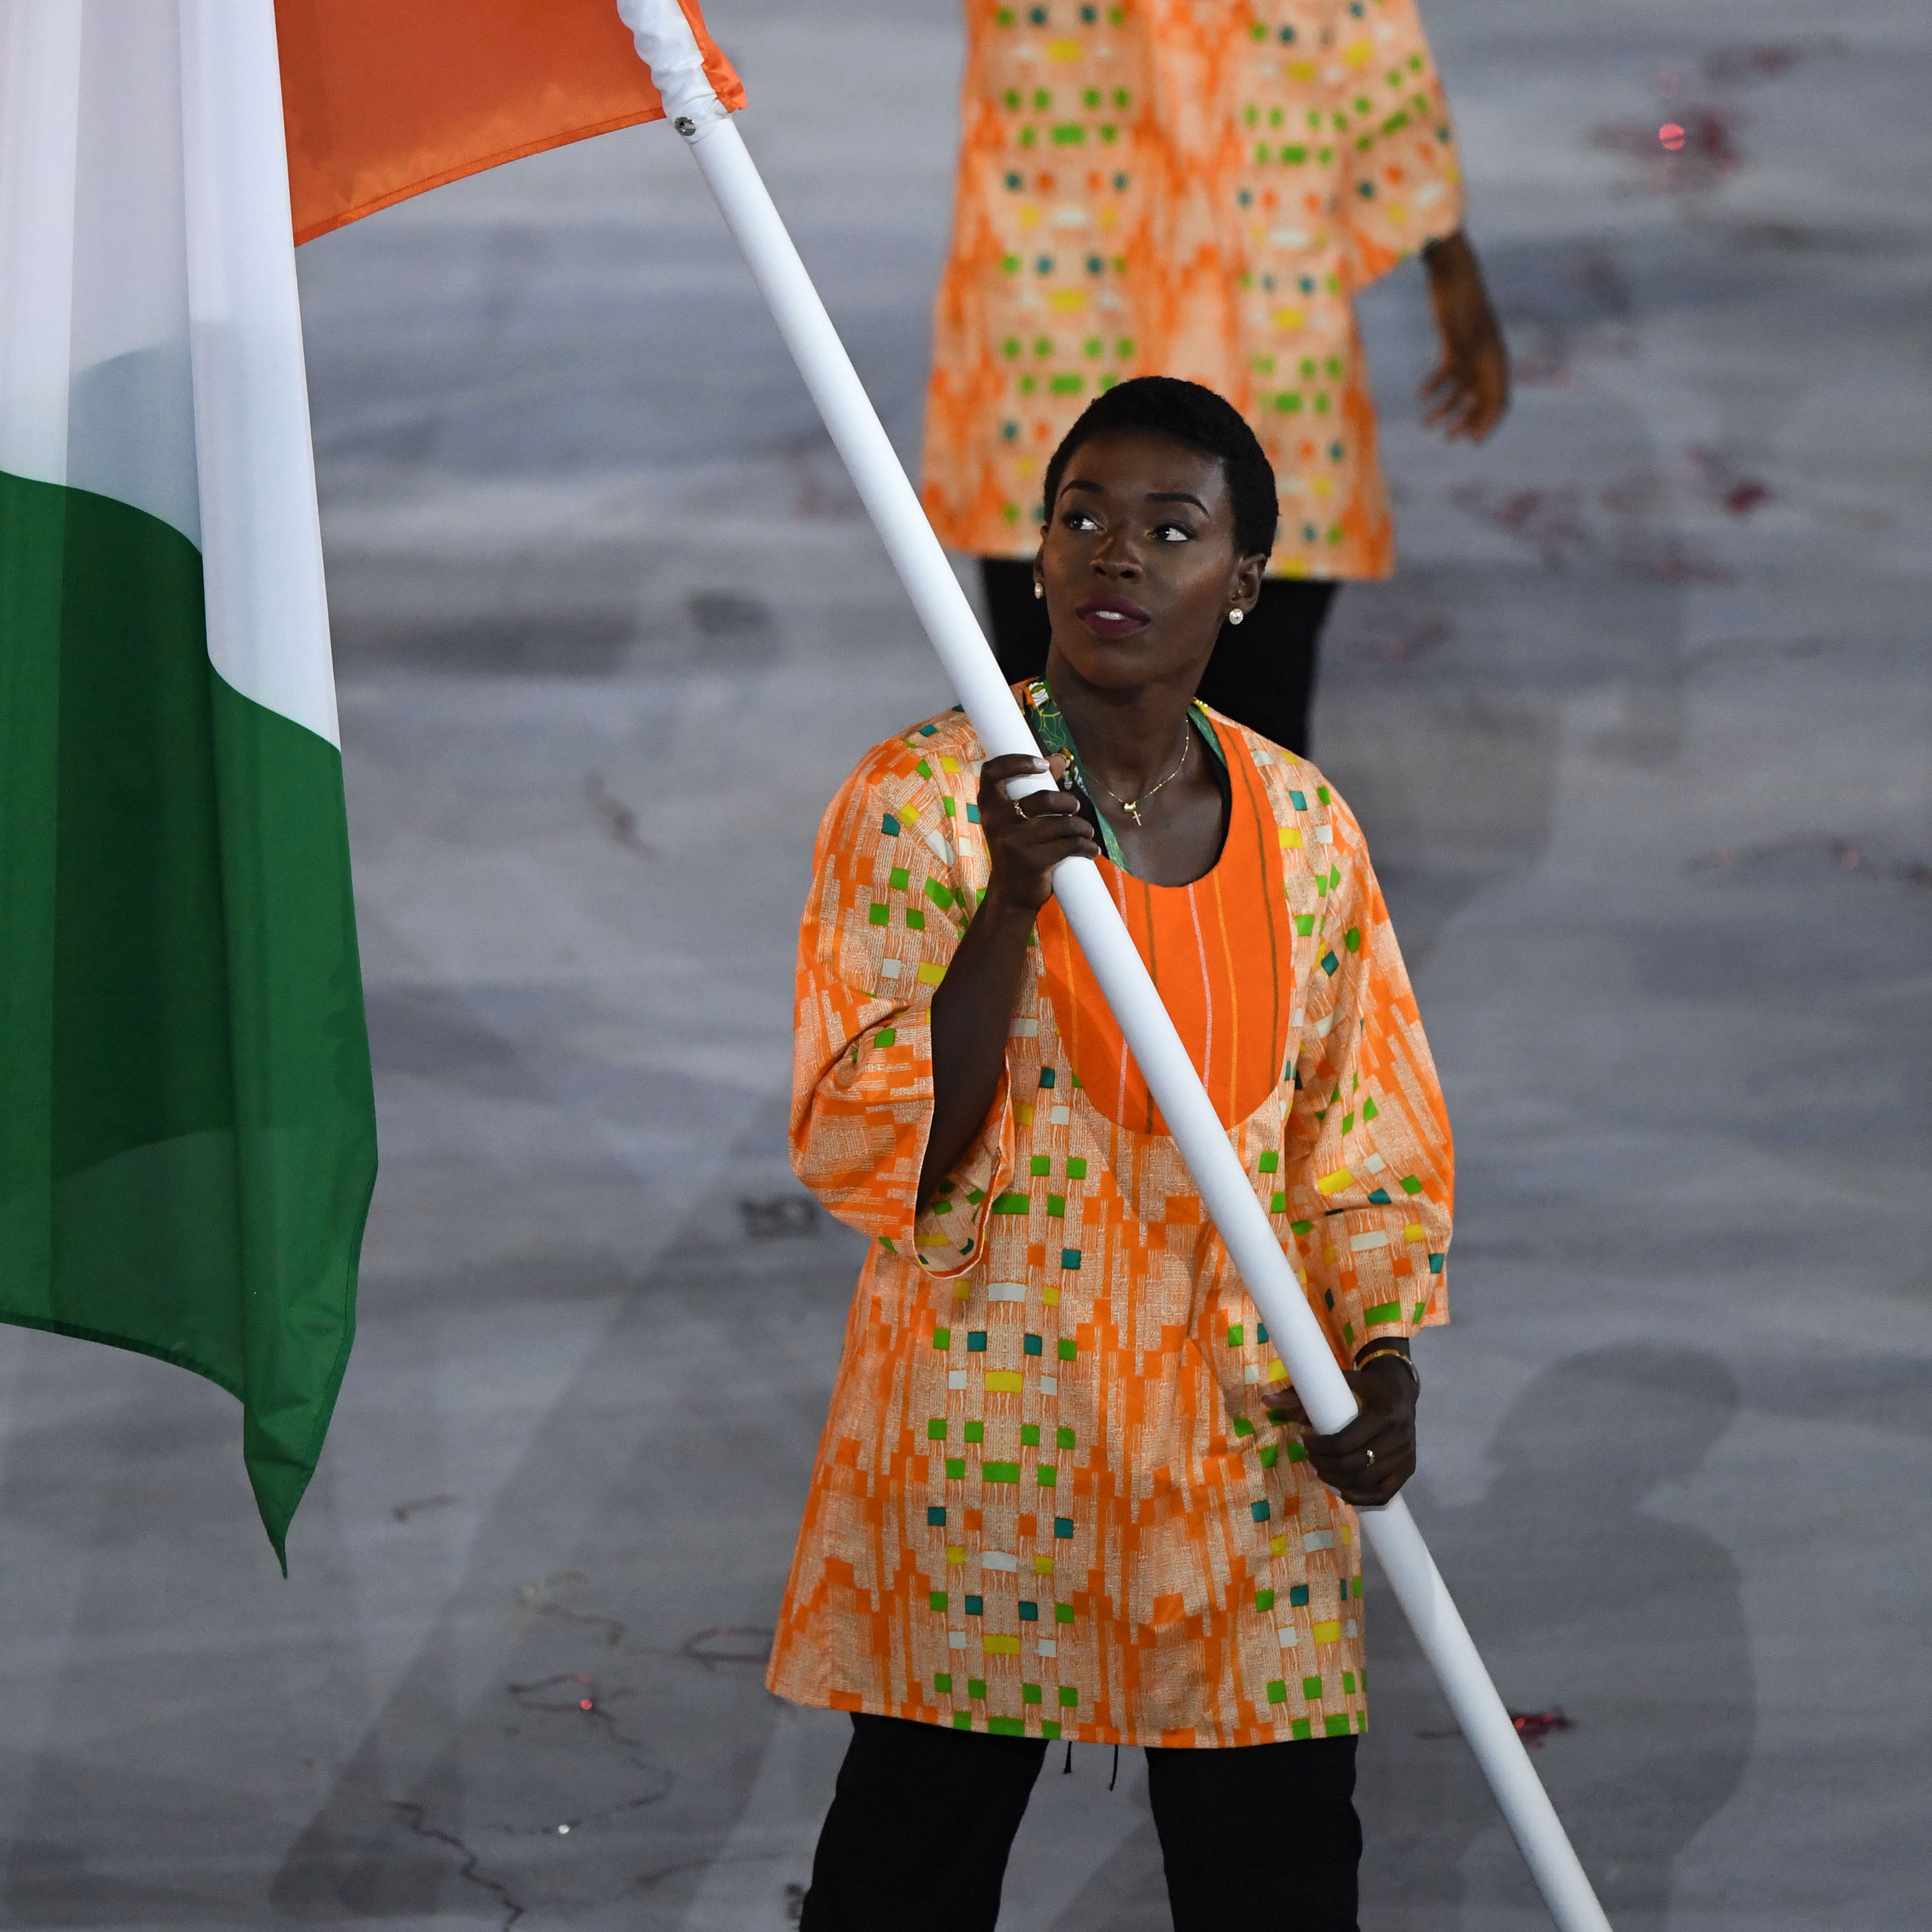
{"points": [[1264, 1838], [1262, 672]]}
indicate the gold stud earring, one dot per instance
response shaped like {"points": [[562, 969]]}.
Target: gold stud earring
{"points": [[1235, 616], [1039, 589]]}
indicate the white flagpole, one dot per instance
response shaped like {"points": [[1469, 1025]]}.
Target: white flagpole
{"points": [[665, 41]]}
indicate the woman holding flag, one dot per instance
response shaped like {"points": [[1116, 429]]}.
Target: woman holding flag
{"points": [[1157, 186], [1064, 1491]]}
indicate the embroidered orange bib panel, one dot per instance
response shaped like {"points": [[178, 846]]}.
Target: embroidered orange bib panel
{"points": [[1217, 949]]}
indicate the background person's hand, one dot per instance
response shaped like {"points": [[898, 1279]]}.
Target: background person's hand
{"points": [[1387, 1392], [1027, 837], [1469, 390]]}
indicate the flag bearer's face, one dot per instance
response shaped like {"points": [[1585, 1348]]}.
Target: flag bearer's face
{"points": [[1138, 561]]}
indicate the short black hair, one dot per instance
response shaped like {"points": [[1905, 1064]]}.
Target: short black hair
{"points": [[1194, 416]]}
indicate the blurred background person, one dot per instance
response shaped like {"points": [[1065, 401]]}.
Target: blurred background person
{"points": [[1157, 188]]}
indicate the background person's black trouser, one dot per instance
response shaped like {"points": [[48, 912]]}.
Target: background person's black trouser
{"points": [[1262, 672], [1264, 1838]]}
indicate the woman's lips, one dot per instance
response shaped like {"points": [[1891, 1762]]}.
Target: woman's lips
{"points": [[1111, 619]]}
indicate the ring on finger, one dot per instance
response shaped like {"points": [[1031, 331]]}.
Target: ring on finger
{"points": [[1369, 1455]]}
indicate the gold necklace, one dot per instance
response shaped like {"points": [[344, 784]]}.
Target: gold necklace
{"points": [[1132, 806]]}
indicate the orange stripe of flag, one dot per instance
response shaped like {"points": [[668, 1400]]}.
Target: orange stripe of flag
{"points": [[384, 99]]}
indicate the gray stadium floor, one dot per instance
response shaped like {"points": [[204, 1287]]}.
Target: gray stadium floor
{"points": [[1640, 734]]}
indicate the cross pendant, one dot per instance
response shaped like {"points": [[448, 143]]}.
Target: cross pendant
{"points": [[1132, 808]]}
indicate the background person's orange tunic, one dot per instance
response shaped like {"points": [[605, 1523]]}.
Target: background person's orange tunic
{"points": [[1161, 188], [1049, 1500]]}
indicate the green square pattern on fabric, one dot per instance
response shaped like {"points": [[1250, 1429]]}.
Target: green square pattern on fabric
{"points": [[1277, 1692], [1068, 1696], [935, 1430], [1030, 1693], [1006, 1727], [1311, 1689], [1335, 1727], [1067, 1349]]}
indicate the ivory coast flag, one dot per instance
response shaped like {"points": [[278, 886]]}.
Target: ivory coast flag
{"points": [[187, 1140]]}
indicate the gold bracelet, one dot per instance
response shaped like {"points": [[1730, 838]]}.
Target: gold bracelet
{"points": [[1388, 1348]]}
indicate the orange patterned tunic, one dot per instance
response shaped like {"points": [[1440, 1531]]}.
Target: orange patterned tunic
{"points": [[1167, 187], [1050, 1498]]}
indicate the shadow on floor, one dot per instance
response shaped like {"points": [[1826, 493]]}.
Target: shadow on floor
{"points": [[1583, 1596]]}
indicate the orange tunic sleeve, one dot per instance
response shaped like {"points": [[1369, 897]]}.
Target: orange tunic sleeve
{"points": [[891, 894], [1367, 1149], [1401, 187]]}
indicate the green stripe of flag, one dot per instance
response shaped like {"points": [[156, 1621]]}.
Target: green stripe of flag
{"points": [[188, 1146]]}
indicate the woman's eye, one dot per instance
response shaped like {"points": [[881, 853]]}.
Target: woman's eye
{"points": [[1078, 520], [1174, 533]]}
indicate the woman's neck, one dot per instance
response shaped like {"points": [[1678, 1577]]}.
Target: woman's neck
{"points": [[1128, 738], [1134, 745]]}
